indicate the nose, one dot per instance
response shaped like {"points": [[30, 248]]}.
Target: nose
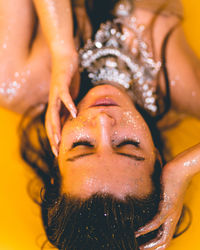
{"points": [[103, 124], [103, 119]]}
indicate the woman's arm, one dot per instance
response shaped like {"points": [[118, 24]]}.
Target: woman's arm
{"points": [[25, 66], [56, 20]]}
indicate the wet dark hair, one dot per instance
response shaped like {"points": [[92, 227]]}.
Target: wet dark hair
{"points": [[100, 222]]}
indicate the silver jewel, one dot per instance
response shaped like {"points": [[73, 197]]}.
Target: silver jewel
{"points": [[107, 59], [123, 8]]}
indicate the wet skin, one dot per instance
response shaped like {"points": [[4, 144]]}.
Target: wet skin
{"points": [[107, 148]]}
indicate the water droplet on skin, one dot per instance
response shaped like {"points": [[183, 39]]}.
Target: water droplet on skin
{"points": [[1, 91], [71, 68], [16, 74], [194, 93], [190, 163], [173, 83], [9, 89], [15, 84]]}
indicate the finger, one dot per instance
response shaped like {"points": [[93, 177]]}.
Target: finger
{"points": [[75, 85], [164, 237], [153, 225], [68, 102], [52, 138], [52, 124]]}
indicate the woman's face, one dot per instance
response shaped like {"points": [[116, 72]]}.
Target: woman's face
{"points": [[108, 148]]}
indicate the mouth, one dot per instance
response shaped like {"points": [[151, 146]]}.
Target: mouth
{"points": [[106, 101]]}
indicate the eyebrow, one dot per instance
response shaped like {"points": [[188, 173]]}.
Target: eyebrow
{"points": [[134, 157], [79, 156]]}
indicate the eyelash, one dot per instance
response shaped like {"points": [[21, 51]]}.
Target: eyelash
{"points": [[82, 143], [122, 143], [128, 142]]}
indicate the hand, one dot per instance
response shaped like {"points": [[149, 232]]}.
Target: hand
{"points": [[65, 77], [174, 187]]}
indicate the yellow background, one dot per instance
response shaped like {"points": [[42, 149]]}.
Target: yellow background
{"points": [[20, 223]]}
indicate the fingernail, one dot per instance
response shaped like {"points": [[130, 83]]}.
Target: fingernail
{"points": [[73, 110], [55, 152], [56, 139], [73, 114]]}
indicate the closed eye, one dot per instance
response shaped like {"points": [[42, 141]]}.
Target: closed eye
{"points": [[82, 143], [128, 142]]}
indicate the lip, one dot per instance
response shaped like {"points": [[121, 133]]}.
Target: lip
{"points": [[105, 101]]}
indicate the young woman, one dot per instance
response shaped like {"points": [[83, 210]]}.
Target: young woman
{"points": [[116, 116]]}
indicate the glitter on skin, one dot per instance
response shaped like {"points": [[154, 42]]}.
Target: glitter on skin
{"points": [[10, 88], [190, 163]]}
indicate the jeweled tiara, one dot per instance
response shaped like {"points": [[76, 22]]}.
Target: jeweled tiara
{"points": [[108, 59]]}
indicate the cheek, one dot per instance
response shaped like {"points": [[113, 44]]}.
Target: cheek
{"points": [[130, 119], [134, 126], [138, 128], [134, 121]]}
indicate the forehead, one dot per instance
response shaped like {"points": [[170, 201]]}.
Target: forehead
{"points": [[107, 173]]}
